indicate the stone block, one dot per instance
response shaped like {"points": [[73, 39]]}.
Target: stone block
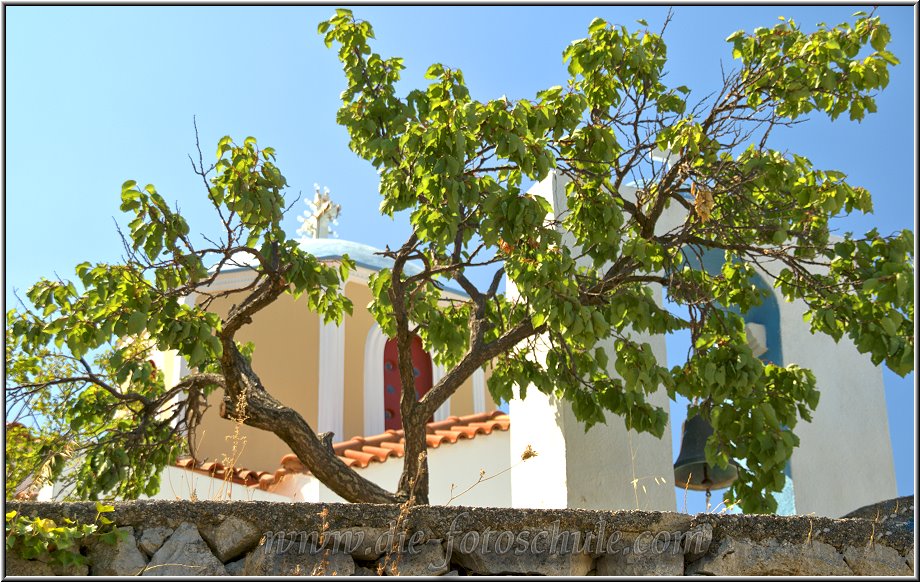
{"points": [[644, 559], [70, 570], [427, 559], [185, 553], [363, 543], [876, 560], [277, 557], [230, 538], [488, 560], [152, 538], [235, 568], [739, 557], [16, 566], [119, 559], [696, 541]]}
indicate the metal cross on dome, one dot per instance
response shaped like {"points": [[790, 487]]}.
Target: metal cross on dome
{"points": [[322, 214]]}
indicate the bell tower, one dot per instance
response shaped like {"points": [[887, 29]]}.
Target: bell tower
{"points": [[844, 460], [607, 467]]}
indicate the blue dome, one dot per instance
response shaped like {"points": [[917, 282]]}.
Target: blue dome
{"points": [[363, 255], [333, 248]]}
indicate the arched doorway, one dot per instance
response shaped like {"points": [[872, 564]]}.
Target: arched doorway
{"points": [[392, 384]]}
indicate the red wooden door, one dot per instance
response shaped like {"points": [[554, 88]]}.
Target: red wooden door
{"points": [[392, 384]]}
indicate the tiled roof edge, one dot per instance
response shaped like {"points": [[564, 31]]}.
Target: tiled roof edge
{"points": [[359, 451]]}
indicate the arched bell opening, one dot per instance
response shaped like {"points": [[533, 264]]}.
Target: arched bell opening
{"points": [[762, 322]]}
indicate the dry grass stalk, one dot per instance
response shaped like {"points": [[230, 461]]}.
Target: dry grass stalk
{"points": [[320, 569], [528, 453], [237, 442]]}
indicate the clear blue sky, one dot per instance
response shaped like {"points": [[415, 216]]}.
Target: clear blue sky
{"points": [[99, 95]]}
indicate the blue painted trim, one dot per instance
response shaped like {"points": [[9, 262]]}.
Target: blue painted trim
{"points": [[766, 314]]}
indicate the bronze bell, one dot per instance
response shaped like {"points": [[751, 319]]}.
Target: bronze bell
{"points": [[691, 471]]}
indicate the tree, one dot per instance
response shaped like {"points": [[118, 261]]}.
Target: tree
{"points": [[39, 441], [457, 166]]}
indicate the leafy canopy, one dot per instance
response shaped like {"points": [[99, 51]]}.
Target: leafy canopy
{"points": [[458, 166]]}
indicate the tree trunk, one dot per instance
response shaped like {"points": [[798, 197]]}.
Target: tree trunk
{"points": [[246, 398], [414, 478]]}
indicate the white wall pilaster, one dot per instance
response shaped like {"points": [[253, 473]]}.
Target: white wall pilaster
{"points": [[373, 381], [443, 411], [479, 391], [331, 393]]}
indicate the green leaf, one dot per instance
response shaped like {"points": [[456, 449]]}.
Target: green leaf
{"points": [[735, 35], [889, 58], [537, 319], [597, 25], [901, 283], [137, 322], [880, 37], [434, 71], [102, 508]]}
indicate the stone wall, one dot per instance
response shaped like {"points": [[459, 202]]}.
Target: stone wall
{"points": [[182, 538]]}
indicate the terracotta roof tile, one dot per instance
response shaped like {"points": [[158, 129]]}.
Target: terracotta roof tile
{"points": [[240, 475], [361, 458], [345, 445], [389, 436], [443, 424], [434, 440], [480, 428], [248, 475], [361, 451], [380, 453], [186, 462], [398, 448], [290, 461], [449, 436], [465, 431]]}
